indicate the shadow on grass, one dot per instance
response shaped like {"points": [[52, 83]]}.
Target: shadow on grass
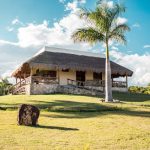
{"points": [[76, 109], [56, 128], [80, 115]]}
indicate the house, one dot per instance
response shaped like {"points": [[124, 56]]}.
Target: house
{"points": [[56, 70]]}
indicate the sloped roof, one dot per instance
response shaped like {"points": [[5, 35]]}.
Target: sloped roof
{"points": [[60, 60]]}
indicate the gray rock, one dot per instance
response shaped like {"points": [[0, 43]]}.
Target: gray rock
{"points": [[28, 115]]}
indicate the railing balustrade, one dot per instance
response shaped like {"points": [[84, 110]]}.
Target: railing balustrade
{"points": [[46, 80], [75, 83], [20, 86], [96, 83]]}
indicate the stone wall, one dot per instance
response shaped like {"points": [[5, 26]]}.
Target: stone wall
{"points": [[78, 91], [27, 89], [36, 89], [43, 88], [99, 88]]}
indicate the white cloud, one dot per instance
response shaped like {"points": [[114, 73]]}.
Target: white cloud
{"points": [[41, 34], [72, 6], [121, 20], [136, 25], [16, 21], [59, 34], [82, 1], [38, 35], [109, 4], [10, 29], [62, 1], [3, 42], [146, 46], [139, 64], [114, 48]]}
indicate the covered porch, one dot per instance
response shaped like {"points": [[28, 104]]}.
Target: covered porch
{"points": [[38, 78]]}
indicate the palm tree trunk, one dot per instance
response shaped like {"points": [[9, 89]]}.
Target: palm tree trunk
{"points": [[108, 81]]}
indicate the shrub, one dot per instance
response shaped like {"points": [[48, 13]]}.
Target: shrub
{"points": [[137, 89]]}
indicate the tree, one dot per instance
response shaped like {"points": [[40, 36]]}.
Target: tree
{"points": [[4, 86], [102, 26]]}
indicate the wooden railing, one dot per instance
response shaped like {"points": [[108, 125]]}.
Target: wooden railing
{"points": [[20, 86], [120, 84], [75, 83], [96, 83], [46, 80]]}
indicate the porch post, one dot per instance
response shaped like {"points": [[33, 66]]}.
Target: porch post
{"points": [[30, 82], [126, 81], [20, 78], [16, 80], [24, 76], [31, 73], [58, 76]]}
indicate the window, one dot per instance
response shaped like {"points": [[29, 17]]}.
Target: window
{"points": [[52, 74], [46, 73], [97, 76]]}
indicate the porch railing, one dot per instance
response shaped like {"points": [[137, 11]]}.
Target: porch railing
{"points": [[75, 83], [120, 84], [46, 80], [96, 83], [20, 86]]}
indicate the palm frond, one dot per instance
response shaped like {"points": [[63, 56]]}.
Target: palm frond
{"points": [[120, 28], [114, 13], [87, 35], [84, 13], [118, 38]]}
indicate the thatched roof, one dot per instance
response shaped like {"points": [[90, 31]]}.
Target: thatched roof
{"points": [[58, 60]]}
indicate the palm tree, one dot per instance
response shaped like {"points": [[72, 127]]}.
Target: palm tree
{"points": [[4, 86], [102, 26]]}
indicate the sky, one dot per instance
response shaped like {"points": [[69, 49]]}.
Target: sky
{"points": [[27, 26]]}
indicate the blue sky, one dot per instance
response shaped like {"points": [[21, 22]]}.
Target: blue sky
{"points": [[28, 25]]}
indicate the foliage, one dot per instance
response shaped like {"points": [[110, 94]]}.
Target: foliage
{"points": [[138, 89], [102, 25], [4, 86]]}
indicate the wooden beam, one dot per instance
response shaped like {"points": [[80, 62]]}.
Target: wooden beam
{"points": [[58, 75], [31, 73], [16, 80], [126, 81]]}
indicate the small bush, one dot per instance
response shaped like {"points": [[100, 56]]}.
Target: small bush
{"points": [[137, 89]]}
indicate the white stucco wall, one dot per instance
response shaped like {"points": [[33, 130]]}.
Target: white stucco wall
{"points": [[89, 75], [103, 76], [63, 76]]}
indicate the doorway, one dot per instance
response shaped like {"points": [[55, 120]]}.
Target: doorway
{"points": [[80, 76]]}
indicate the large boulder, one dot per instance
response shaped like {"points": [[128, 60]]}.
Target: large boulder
{"points": [[28, 115]]}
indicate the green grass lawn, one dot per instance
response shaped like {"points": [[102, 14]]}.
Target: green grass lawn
{"points": [[70, 122]]}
